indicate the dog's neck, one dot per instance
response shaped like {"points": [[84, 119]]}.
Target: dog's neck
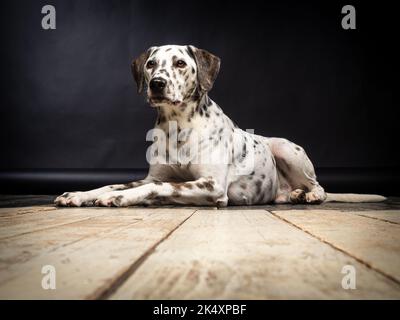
{"points": [[186, 113]]}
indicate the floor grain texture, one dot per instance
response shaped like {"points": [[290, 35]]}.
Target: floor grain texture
{"points": [[260, 252]]}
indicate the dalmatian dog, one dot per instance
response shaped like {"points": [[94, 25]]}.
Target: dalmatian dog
{"points": [[177, 80]]}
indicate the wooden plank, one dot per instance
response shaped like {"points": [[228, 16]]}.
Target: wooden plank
{"points": [[25, 246], [248, 254], [12, 212], [375, 242], [384, 215], [37, 219], [87, 267]]}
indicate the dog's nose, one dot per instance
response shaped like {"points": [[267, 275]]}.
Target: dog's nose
{"points": [[157, 84]]}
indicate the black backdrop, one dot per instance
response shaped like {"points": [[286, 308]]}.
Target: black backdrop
{"points": [[288, 69]]}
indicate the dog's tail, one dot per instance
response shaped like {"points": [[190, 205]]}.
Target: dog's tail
{"points": [[353, 197]]}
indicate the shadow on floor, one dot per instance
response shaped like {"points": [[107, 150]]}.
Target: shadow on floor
{"points": [[393, 203]]}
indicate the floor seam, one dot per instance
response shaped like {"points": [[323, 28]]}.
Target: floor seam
{"points": [[62, 246], [104, 294], [56, 225], [375, 218], [366, 264], [44, 229]]}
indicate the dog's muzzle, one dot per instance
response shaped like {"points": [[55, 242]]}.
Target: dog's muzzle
{"points": [[157, 85]]}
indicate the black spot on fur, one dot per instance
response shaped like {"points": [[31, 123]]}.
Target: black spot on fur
{"points": [[191, 114], [161, 119], [210, 199], [244, 151], [283, 165], [176, 194], [152, 195], [209, 185], [298, 198], [154, 52], [258, 186], [200, 185], [118, 200]]}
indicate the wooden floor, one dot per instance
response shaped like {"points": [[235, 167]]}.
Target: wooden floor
{"points": [[263, 252]]}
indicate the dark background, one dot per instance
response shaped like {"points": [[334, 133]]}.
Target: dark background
{"points": [[71, 118]]}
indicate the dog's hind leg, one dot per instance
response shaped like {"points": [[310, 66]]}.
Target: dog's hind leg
{"points": [[298, 182]]}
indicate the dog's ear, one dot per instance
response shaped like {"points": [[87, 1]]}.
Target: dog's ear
{"points": [[207, 67], [137, 68]]}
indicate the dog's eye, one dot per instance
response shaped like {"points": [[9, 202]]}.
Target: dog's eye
{"points": [[180, 64], [150, 64]]}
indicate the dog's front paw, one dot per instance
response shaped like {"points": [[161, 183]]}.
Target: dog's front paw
{"points": [[112, 199], [73, 199]]}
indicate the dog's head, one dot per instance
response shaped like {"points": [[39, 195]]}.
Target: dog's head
{"points": [[175, 74]]}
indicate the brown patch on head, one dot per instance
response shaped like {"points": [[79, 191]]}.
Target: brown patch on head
{"points": [[137, 68], [207, 67]]}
